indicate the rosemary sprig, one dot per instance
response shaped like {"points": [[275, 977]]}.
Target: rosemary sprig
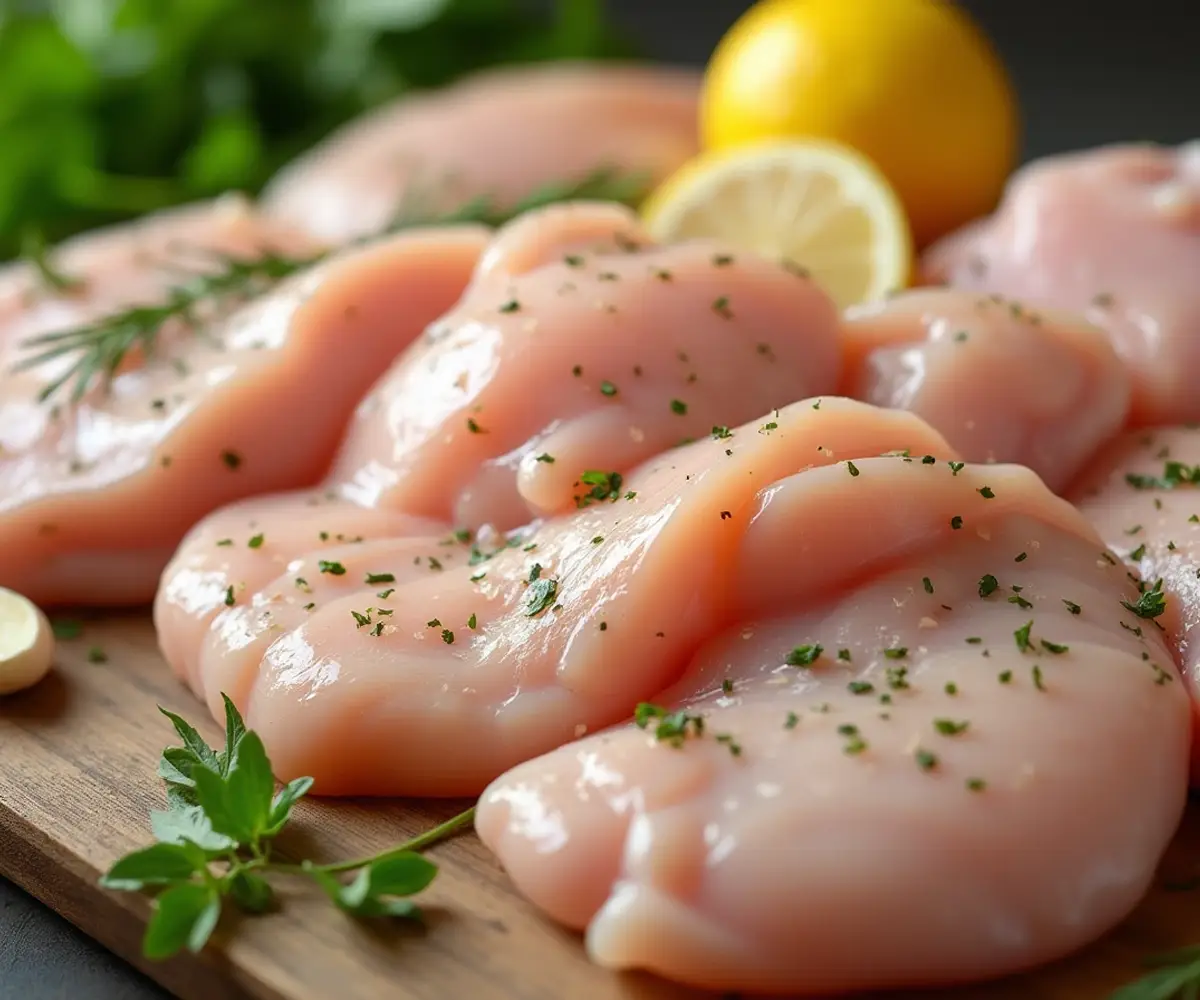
{"points": [[98, 349]]}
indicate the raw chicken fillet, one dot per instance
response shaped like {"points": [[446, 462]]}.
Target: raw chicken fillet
{"points": [[95, 496], [1002, 382], [1114, 235], [451, 666], [503, 135], [1141, 494], [579, 352], [921, 738]]}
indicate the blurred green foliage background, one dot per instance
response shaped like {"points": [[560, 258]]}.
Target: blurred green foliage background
{"points": [[112, 108]]}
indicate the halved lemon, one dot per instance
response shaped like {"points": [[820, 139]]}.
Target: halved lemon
{"points": [[818, 205]]}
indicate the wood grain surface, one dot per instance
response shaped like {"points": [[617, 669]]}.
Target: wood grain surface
{"points": [[78, 780]]}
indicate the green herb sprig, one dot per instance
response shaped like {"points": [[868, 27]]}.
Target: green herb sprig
{"points": [[98, 349], [1174, 976], [214, 845]]}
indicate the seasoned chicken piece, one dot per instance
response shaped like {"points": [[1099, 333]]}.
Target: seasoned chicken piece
{"points": [[1113, 234], [473, 659], [1141, 494], [503, 134], [578, 352], [95, 495], [580, 347], [920, 749], [243, 547], [1002, 382]]}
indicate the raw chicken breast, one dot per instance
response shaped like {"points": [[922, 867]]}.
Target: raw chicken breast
{"points": [[581, 346], [1002, 382], [1113, 234], [500, 134], [1141, 495], [231, 554], [579, 352], [419, 666], [94, 497], [921, 749]]}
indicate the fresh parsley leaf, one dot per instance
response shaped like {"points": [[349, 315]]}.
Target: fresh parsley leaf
{"points": [[193, 742], [189, 825], [239, 804], [281, 805], [224, 810], [235, 732], [159, 864], [184, 917], [373, 891]]}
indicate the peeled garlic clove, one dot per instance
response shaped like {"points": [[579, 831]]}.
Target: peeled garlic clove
{"points": [[26, 643]]}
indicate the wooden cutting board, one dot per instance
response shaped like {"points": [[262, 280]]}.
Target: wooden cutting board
{"points": [[77, 780]]}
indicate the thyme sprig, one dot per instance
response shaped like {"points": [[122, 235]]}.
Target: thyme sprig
{"points": [[98, 349]]}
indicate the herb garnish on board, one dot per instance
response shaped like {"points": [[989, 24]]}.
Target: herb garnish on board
{"points": [[215, 839]]}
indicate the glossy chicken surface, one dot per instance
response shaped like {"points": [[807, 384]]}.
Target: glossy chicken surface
{"points": [[1141, 494], [95, 496], [502, 134], [1001, 381], [426, 666], [1114, 235], [581, 346], [579, 352], [924, 732]]}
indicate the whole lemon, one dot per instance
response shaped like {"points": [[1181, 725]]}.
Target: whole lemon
{"points": [[911, 84]]}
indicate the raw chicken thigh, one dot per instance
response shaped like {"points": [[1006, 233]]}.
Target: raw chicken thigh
{"points": [[1002, 382], [1113, 234], [501, 134], [916, 745], [95, 496], [415, 667], [579, 352], [1141, 495]]}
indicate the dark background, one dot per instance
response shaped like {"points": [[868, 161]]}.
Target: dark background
{"points": [[1110, 72]]}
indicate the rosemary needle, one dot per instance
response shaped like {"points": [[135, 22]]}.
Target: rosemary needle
{"points": [[98, 349]]}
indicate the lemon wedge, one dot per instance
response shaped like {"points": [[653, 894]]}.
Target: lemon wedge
{"points": [[818, 205], [26, 643]]}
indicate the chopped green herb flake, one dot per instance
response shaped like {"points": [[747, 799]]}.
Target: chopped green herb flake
{"points": [[1150, 604], [540, 595], [805, 656]]}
